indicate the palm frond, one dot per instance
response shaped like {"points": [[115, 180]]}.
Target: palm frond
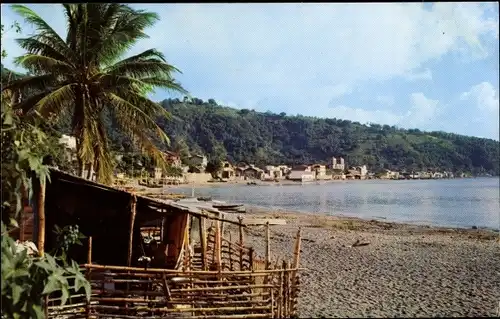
{"points": [[144, 69], [31, 84], [50, 37], [35, 45], [52, 103], [43, 64], [166, 84], [134, 117], [81, 75]]}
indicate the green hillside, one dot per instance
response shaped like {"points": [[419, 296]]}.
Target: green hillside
{"points": [[267, 138]]}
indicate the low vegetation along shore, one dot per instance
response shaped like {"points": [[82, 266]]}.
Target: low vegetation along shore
{"points": [[363, 268]]}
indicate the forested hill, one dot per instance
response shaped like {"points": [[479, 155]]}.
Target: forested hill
{"points": [[267, 138]]}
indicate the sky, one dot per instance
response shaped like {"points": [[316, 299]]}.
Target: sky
{"points": [[434, 67]]}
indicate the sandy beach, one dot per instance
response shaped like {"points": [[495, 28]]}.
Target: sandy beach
{"points": [[403, 271]]}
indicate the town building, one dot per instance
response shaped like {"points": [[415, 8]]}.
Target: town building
{"points": [[338, 164]]}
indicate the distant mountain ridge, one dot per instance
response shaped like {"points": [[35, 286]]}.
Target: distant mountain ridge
{"points": [[268, 138]]}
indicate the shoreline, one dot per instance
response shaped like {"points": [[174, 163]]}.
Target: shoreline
{"points": [[359, 224], [285, 182], [399, 270], [170, 190]]}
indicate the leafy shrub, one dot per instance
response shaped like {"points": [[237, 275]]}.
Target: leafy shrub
{"points": [[27, 279]]}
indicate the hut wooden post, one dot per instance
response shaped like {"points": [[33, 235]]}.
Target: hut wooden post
{"points": [[162, 229], [203, 242], [250, 252], [218, 244], [280, 295], [294, 274], [46, 306], [41, 220], [187, 244], [230, 253], [268, 246], [240, 226], [133, 210], [221, 216], [89, 252], [296, 253], [286, 286], [272, 303]]}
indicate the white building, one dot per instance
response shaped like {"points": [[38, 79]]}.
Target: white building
{"points": [[68, 141], [338, 164], [302, 173]]}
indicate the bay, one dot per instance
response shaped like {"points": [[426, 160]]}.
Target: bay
{"points": [[448, 203]]}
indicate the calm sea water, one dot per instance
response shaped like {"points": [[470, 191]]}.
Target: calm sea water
{"points": [[450, 203]]}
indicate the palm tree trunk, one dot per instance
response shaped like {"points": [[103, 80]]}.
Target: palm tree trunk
{"points": [[81, 163], [89, 173], [81, 168]]}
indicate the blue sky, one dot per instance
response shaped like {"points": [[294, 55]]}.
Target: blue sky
{"points": [[413, 65]]}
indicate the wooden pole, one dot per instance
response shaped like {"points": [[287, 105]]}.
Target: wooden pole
{"points": [[294, 275], [272, 303], [187, 244], [89, 253], [296, 253], [133, 211], [268, 246], [280, 295], [218, 244], [230, 254], [41, 219], [203, 242], [221, 216], [46, 306], [286, 295], [162, 229], [240, 227]]}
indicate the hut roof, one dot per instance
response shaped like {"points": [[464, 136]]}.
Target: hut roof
{"points": [[191, 207], [106, 213]]}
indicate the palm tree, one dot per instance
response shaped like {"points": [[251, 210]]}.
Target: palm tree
{"points": [[83, 76]]}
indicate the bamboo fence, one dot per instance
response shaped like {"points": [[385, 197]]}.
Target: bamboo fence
{"points": [[217, 279], [125, 292]]}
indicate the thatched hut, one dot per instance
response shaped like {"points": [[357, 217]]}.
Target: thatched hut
{"points": [[197, 270]]}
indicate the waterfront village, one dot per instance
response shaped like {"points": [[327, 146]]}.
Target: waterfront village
{"points": [[193, 170]]}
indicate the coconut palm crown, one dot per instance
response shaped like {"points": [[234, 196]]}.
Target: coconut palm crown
{"points": [[85, 74]]}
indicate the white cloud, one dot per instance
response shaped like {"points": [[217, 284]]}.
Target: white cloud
{"points": [[422, 112], [422, 75], [485, 111], [266, 47], [485, 97]]}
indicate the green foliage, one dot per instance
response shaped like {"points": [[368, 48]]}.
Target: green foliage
{"points": [[81, 77], [26, 279], [24, 147], [173, 171], [262, 138], [214, 166], [67, 237]]}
